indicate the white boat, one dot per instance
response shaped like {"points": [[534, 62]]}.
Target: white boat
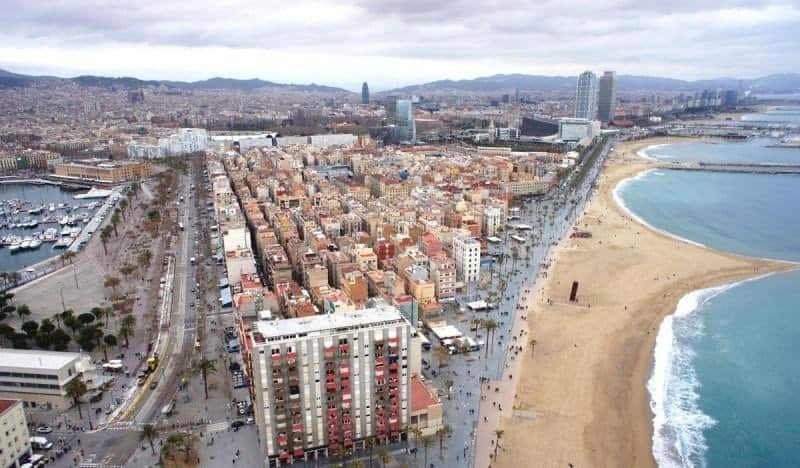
{"points": [[52, 207], [50, 235], [94, 193], [66, 231], [26, 243], [14, 247], [36, 210], [63, 220], [35, 244], [62, 243], [75, 232]]}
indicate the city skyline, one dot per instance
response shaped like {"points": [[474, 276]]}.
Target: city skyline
{"points": [[345, 45]]}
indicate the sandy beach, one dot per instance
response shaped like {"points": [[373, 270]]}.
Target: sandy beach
{"points": [[579, 396]]}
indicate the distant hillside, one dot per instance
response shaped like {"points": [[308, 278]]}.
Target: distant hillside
{"points": [[508, 83], [9, 79]]}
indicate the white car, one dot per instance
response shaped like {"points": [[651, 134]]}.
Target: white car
{"points": [[44, 430]]}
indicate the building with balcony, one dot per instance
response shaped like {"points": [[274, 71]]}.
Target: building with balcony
{"points": [[328, 382], [467, 255], [15, 445]]}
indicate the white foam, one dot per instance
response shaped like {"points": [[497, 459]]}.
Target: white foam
{"points": [[678, 421], [621, 203], [644, 153]]}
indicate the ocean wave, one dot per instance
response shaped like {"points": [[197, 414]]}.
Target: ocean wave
{"points": [[678, 421], [644, 152], [618, 199]]}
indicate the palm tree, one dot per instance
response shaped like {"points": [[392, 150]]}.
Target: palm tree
{"points": [[490, 326], [533, 346], [115, 219], [173, 441], [111, 282], [23, 311], [67, 255], [105, 235], [150, 432], [417, 434], [448, 384], [443, 432], [384, 456], [109, 341], [205, 367], [442, 355], [426, 443], [75, 389], [369, 444], [499, 434], [127, 328], [123, 206]]}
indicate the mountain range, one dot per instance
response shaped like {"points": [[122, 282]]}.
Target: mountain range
{"points": [[10, 79], [781, 83], [508, 83]]}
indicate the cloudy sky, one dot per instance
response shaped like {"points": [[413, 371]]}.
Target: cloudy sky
{"points": [[396, 42]]}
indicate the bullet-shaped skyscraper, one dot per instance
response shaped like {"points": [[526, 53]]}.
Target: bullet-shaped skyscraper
{"points": [[586, 96], [607, 97], [364, 93]]}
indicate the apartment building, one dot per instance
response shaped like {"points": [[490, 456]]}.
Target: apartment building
{"points": [[443, 275], [327, 382], [467, 255], [110, 172], [15, 445], [492, 220]]}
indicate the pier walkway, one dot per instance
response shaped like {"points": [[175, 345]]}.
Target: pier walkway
{"points": [[734, 167]]}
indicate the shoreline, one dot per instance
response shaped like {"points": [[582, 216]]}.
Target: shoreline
{"points": [[587, 383]]}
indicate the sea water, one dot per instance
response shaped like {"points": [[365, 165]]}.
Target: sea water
{"points": [[726, 370]]}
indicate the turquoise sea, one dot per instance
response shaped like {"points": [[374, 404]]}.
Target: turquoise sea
{"points": [[725, 374]]}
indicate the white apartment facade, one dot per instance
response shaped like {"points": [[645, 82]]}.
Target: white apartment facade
{"points": [[15, 445], [492, 220], [467, 254], [324, 383]]}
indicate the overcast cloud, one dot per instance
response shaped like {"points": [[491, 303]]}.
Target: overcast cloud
{"points": [[397, 42]]}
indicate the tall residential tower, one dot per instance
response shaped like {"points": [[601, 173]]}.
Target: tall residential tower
{"points": [[607, 97], [586, 96], [328, 382], [404, 115]]}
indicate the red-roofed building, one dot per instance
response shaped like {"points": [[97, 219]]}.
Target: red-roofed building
{"points": [[426, 408]]}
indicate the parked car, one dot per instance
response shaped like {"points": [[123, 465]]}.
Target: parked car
{"points": [[44, 430], [237, 424]]}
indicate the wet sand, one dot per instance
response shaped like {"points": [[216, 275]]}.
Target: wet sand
{"points": [[580, 393]]}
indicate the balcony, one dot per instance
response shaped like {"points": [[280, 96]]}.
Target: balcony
{"points": [[298, 453], [330, 385], [297, 428]]}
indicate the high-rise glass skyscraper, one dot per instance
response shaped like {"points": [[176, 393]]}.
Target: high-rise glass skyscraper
{"points": [[586, 96], [364, 93], [607, 97], [404, 117]]}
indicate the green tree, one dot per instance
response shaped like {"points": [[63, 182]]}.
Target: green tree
{"points": [[490, 326], [30, 328], [105, 235], [426, 443], [86, 318], [384, 456], [443, 433], [448, 385], [126, 328], [23, 311], [19, 341], [6, 330], [60, 339], [47, 326], [369, 444], [149, 432], [75, 389], [204, 367], [109, 341], [115, 219], [442, 355]]}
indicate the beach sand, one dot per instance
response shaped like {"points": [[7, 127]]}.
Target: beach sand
{"points": [[581, 394]]}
